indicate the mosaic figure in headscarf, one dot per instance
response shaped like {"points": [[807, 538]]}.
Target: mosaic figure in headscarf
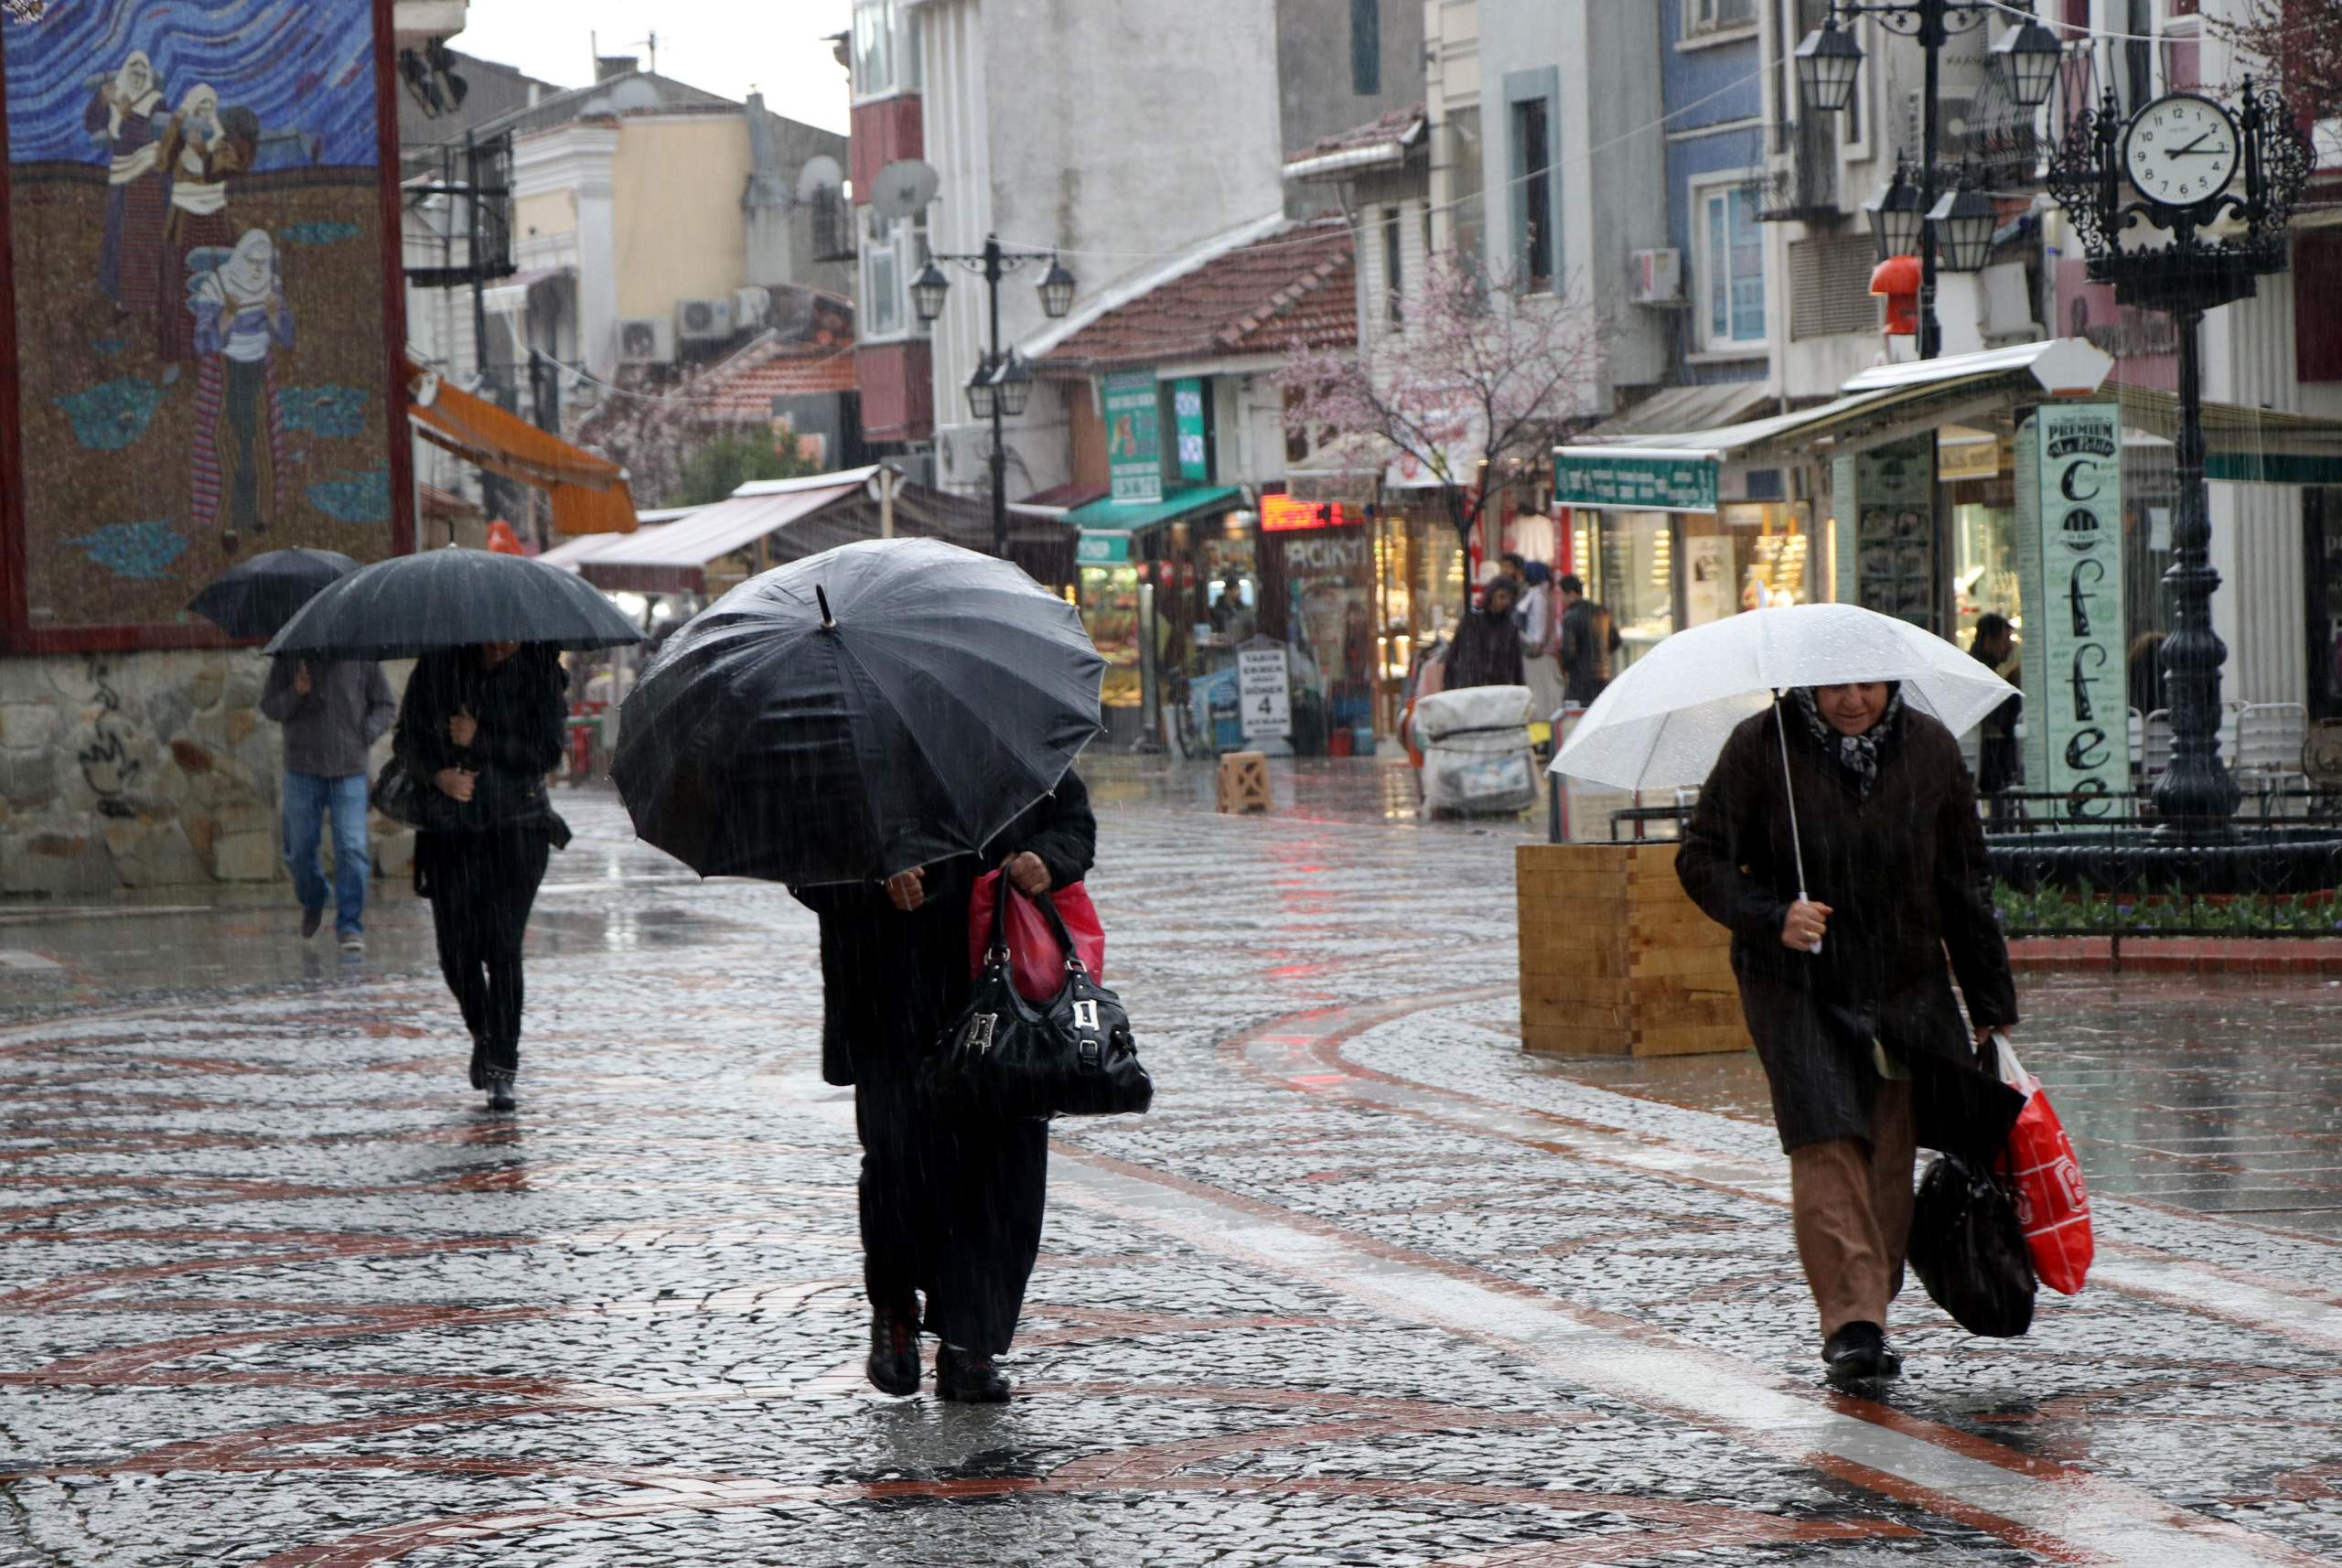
{"points": [[120, 115], [236, 297], [201, 147]]}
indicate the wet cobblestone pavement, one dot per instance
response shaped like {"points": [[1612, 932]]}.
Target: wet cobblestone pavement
{"points": [[1368, 1286]]}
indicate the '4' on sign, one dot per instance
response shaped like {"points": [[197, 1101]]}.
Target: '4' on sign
{"points": [[1265, 690]]}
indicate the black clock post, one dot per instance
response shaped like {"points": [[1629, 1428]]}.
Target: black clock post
{"points": [[2216, 188]]}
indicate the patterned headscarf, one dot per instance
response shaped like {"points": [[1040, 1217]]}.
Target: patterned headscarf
{"points": [[1857, 754]]}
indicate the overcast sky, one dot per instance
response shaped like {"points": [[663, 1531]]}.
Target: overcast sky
{"points": [[724, 46]]}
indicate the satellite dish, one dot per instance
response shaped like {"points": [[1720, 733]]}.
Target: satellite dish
{"points": [[632, 95], [903, 189], [820, 173]]}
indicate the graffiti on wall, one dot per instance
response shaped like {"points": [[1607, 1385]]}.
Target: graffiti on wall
{"points": [[200, 289]]}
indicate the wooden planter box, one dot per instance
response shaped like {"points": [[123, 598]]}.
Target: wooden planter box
{"points": [[1616, 960]]}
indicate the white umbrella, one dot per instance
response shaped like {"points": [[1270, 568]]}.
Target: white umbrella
{"points": [[1664, 722]]}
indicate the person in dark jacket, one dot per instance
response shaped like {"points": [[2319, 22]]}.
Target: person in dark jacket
{"points": [[950, 1203], [332, 711], [1999, 767], [482, 726], [1588, 643], [1847, 997], [1487, 650]]}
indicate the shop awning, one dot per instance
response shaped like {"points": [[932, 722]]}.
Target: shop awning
{"points": [[571, 553], [1678, 471], [673, 558], [2243, 444], [589, 493], [1688, 408], [1108, 526]]}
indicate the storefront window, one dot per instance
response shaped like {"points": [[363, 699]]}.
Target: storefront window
{"points": [[1985, 567], [1109, 614], [1634, 578]]}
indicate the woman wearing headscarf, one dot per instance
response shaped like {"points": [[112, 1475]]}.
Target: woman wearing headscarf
{"points": [[120, 115], [198, 150], [241, 318], [1847, 995], [950, 1203], [1487, 650], [482, 726]]}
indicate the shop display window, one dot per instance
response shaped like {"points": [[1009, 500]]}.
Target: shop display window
{"points": [[1110, 613], [1984, 579]]}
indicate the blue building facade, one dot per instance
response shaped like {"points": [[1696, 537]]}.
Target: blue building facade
{"points": [[1712, 85]]}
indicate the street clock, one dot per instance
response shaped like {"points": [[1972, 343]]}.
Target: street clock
{"points": [[2182, 150]]}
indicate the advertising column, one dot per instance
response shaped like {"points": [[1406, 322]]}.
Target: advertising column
{"points": [[2069, 549], [1886, 500]]}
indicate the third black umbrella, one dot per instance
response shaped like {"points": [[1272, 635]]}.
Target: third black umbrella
{"points": [[414, 605], [256, 598], [879, 706]]}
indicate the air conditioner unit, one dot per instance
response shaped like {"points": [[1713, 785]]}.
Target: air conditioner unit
{"points": [[697, 320], [646, 341], [1655, 277], [751, 307]]}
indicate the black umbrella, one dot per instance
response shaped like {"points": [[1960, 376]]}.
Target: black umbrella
{"points": [[879, 706], [414, 605], [256, 598]]}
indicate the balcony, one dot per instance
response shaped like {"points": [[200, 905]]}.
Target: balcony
{"points": [[1800, 181]]}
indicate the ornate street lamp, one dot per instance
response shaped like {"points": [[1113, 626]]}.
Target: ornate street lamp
{"points": [[2179, 167], [1896, 216], [1827, 63], [1001, 382], [1963, 223]]}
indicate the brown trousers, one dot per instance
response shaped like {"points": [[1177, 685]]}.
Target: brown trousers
{"points": [[1850, 1202]]}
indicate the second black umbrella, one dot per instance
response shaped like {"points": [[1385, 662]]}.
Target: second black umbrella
{"points": [[256, 598], [414, 605]]}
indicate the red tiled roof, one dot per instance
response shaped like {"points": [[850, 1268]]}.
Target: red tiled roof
{"points": [[1295, 290], [1376, 133], [740, 390]]}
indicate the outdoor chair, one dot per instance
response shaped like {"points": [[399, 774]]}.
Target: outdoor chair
{"points": [[2271, 738], [2155, 744]]}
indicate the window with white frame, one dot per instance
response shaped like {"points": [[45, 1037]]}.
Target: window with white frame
{"points": [[1731, 247], [1701, 18], [885, 49], [893, 252]]}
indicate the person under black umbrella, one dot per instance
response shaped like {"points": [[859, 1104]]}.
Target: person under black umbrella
{"points": [[950, 1202], [480, 728], [1846, 994]]}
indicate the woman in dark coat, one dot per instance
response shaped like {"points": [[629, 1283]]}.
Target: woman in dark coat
{"points": [[1486, 651], [483, 726], [1847, 997], [950, 1204]]}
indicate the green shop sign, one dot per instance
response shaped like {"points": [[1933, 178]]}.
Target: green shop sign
{"points": [[1133, 437], [1634, 482]]}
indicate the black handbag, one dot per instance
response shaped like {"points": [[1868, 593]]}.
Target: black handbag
{"points": [[411, 801], [1004, 1057], [1969, 1250]]}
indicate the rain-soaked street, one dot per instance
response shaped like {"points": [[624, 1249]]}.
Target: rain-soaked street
{"points": [[1367, 1286]]}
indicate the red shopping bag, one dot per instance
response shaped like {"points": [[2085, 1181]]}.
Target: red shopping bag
{"points": [[1039, 956], [2052, 1204]]}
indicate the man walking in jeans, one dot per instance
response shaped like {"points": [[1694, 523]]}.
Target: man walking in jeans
{"points": [[332, 712]]}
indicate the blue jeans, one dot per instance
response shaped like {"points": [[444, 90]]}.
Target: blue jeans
{"points": [[308, 799]]}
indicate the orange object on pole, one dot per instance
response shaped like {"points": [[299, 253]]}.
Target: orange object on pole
{"points": [[502, 541], [1898, 278]]}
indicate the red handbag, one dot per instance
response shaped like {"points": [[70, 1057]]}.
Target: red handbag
{"points": [[2052, 1203], [1040, 958]]}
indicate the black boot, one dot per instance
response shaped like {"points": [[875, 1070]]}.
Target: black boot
{"points": [[969, 1377], [893, 1366], [479, 1063], [1859, 1352], [499, 1091]]}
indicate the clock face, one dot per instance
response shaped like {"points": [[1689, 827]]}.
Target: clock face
{"points": [[2181, 150]]}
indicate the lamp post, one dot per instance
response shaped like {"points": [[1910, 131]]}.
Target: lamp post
{"points": [[1827, 63], [2182, 168], [1001, 382]]}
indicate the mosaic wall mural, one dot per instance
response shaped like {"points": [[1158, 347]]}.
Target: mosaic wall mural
{"points": [[201, 286]]}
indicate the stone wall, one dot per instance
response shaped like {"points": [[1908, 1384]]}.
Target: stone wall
{"points": [[145, 771]]}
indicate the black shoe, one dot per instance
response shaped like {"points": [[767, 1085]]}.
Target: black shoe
{"points": [[893, 1366], [1859, 1352], [969, 1377], [499, 1091], [310, 920], [479, 1063]]}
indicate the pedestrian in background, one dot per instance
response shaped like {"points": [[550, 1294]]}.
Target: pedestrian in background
{"points": [[950, 1202], [1588, 642], [1541, 639], [333, 711], [483, 726], [1847, 997], [1486, 649], [1998, 765]]}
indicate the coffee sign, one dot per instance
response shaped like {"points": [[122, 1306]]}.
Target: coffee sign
{"points": [[2069, 538]]}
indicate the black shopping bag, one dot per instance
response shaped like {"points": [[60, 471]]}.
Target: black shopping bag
{"points": [[1969, 1250]]}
